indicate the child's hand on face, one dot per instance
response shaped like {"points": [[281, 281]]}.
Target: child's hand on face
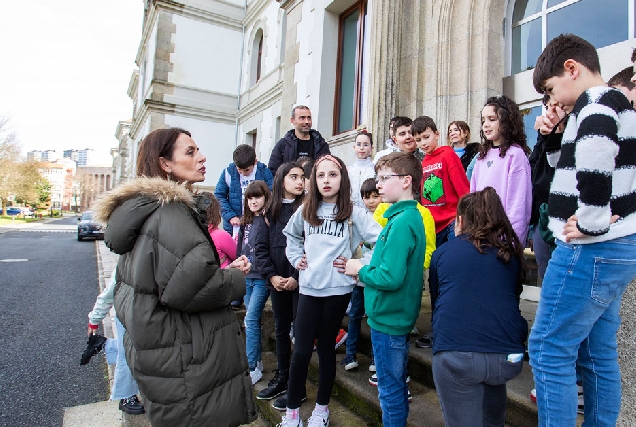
{"points": [[352, 267], [340, 263], [302, 264]]}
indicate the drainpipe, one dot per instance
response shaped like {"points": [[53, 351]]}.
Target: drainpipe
{"points": [[238, 102]]}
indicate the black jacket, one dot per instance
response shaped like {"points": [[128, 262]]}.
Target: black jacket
{"points": [[270, 248], [471, 150], [542, 172], [259, 226], [286, 150]]}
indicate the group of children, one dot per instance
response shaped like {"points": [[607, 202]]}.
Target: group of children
{"points": [[315, 247]]}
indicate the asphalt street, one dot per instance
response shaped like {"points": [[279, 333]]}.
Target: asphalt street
{"points": [[48, 284]]}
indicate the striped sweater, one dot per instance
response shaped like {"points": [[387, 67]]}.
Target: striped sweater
{"points": [[595, 175]]}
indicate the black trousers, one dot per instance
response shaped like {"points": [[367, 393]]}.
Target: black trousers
{"points": [[284, 305], [318, 317]]}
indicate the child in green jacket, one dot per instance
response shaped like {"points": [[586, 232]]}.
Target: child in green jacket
{"points": [[393, 279]]}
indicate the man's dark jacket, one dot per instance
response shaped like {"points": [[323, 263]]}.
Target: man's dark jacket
{"points": [[286, 150]]}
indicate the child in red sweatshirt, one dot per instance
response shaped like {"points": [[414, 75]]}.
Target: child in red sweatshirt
{"points": [[444, 181]]}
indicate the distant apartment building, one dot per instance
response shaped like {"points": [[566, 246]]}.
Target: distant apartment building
{"points": [[43, 156], [85, 157], [55, 175]]}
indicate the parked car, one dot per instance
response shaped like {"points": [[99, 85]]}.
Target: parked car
{"points": [[86, 227], [13, 211], [27, 212]]}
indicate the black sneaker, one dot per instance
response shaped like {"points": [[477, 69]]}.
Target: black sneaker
{"points": [[95, 344], [281, 402], [426, 341], [276, 387], [131, 405]]}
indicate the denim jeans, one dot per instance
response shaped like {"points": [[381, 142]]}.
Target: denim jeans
{"points": [[445, 234], [355, 320], [256, 294], [578, 316], [472, 387], [391, 354], [124, 385]]}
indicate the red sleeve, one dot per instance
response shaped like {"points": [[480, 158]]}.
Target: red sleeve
{"points": [[225, 243]]}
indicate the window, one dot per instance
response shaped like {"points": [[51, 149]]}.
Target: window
{"points": [[256, 57], [530, 115], [352, 68], [536, 22]]}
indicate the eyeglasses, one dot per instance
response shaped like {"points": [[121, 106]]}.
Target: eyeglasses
{"points": [[381, 179]]}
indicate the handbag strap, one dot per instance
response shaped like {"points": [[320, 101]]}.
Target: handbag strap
{"points": [[350, 222]]}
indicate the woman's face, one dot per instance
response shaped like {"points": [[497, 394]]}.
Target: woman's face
{"points": [[187, 162], [456, 136]]}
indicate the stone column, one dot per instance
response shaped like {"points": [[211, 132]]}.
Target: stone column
{"points": [[626, 339], [384, 66]]}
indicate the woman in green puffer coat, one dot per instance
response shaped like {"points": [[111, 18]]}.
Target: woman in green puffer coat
{"points": [[183, 342]]}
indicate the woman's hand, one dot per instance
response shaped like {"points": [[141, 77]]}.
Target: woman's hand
{"points": [[340, 263], [302, 264], [352, 267]]}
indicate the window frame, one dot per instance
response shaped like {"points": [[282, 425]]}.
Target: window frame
{"points": [[361, 7], [542, 14]]}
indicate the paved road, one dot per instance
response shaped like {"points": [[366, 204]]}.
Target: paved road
{"points": [[43, 307]]}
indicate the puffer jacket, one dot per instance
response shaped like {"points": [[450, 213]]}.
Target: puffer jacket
{"points": [[183, 342]]}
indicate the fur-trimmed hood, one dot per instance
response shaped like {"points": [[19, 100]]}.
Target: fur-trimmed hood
{"points": [[155, 189]]}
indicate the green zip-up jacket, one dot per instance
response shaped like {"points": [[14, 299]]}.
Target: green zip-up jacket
{"points": [[393, 292]]}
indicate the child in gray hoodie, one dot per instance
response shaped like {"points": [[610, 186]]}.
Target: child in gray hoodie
{"points": [[320, 238]]}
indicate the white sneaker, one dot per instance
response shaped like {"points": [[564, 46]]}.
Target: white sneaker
{"points": [[288, 422], [318, 419], [256, 375]]}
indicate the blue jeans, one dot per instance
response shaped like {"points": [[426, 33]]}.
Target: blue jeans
{"points": [[472, 387], [445, 234], [355, 320], [124, 385], [256, 294], [577, 317], [391, 354]]}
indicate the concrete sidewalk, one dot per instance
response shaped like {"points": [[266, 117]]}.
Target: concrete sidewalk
{"points": [[107, 413]]}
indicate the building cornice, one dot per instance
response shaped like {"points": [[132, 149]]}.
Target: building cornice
{"points": [[254, 10], [289, 4], [132, 85], [269, 97]]}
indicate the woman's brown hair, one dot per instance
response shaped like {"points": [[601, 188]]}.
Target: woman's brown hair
{"points": [[343, 209], [462, 126], [255, 189], [158, 143], [213, 212], [485, 224], [510, 127]]}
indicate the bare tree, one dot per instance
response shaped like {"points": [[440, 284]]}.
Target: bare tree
{"points": [[9, 162]]}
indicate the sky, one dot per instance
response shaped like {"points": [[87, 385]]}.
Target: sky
{"points": [[65, 67]]}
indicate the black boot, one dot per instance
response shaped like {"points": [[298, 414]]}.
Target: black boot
{"points": [[276, 387]]}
